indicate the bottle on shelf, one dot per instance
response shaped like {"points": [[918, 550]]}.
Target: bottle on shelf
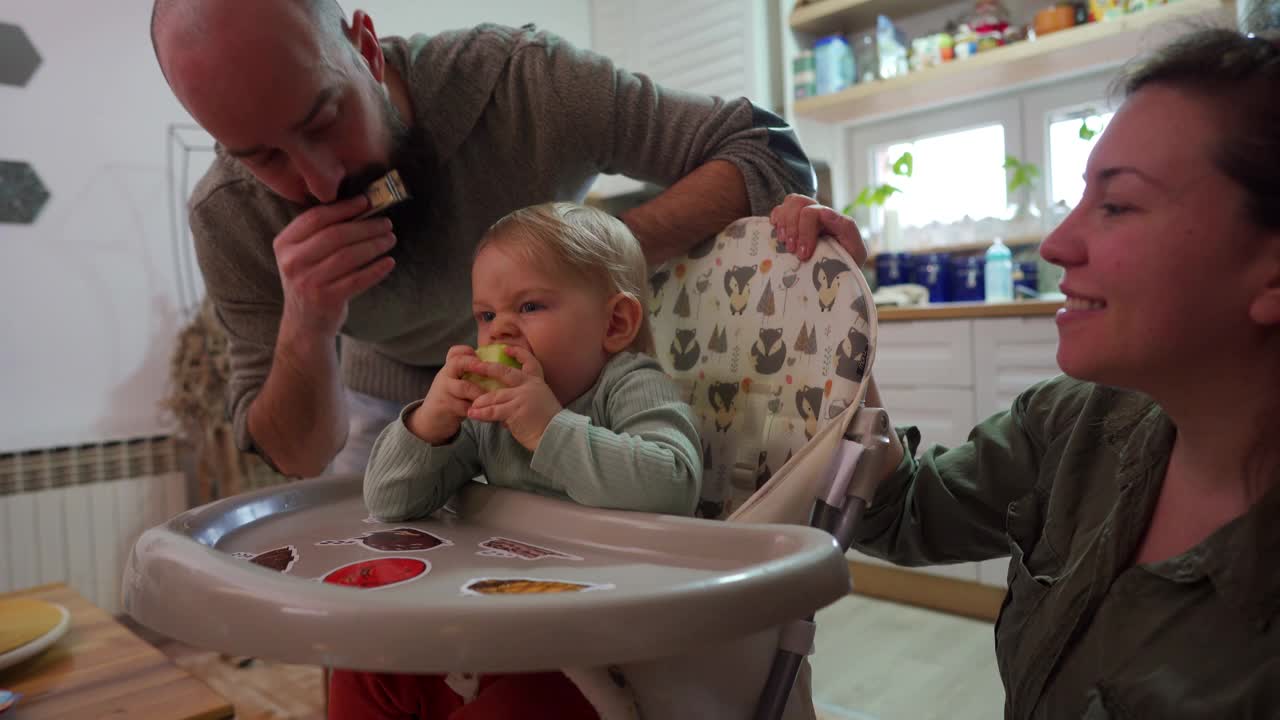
{"points": [[998, 272], [804, 69], [833, 64]]}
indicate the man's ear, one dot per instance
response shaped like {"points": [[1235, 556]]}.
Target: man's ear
{"points": [[625, 320], [365, 40]]}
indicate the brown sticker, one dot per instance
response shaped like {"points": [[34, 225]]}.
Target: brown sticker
{"points": [[502, 547], [401, 539], [527, 586], [280, 559], [377, 572]]}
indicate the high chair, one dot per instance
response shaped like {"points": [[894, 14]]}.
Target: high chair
{"points": [[654, 617]]}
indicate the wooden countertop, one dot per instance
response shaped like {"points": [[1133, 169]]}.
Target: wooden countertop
{"points": [[954, 311], [101, 670]]}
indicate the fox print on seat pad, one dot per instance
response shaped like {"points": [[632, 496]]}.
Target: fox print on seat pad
{"points": [[766, 349]]}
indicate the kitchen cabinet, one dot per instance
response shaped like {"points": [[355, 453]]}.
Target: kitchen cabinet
{"points": [[1011, 355]]}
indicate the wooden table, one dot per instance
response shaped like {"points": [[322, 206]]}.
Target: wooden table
{"points": [[101, 670]]}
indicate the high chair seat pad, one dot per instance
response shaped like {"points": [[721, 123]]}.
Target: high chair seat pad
{"points": [[511, 582], [768, 350]]}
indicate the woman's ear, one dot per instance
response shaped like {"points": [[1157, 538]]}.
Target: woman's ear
{"points": [[365, 40], [1265, 308], [625, 318]]}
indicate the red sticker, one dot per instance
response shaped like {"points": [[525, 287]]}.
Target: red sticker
{"points": [[378, 572]]}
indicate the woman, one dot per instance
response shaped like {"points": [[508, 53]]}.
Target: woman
{"points": [[1137, 493]]}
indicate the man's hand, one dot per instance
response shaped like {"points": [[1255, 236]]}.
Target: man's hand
{"points": [[525, 406], [325, 259], [799, 220], [448, 399]]}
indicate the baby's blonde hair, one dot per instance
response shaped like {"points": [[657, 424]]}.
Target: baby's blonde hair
{"points": [[587, 244]]}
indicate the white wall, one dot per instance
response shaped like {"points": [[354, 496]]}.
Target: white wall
{"points": [[89, 291]]}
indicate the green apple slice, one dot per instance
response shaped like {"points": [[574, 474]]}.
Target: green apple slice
{"points": [[495, 353]]}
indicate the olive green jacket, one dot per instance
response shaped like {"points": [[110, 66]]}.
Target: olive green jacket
{"points": [[1065, 483]]}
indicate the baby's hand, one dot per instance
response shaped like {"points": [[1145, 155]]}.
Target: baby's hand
{"points": [[524, 406], [445, 406]]}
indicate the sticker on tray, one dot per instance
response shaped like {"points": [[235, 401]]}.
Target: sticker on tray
{"points": [[502, 547], [377, 572], [8, 699], [527, 586], [401, 539], [281, 559]]}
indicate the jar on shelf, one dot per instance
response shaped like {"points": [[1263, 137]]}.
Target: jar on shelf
{"points": [[805, 75], [967, 281], [866, 57], [933, 270]]}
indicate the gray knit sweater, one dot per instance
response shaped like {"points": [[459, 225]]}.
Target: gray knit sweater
{"points": [[628, 443], [515, 117]]}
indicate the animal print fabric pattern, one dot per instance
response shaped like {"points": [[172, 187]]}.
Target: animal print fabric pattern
{"points": [[765, 348]]}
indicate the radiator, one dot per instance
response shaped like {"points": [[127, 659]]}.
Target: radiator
{"points": [[72, 514]]}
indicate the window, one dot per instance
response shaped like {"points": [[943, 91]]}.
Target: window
{"points": [[957, 157], [953, 175], [1052, 120], [1071, 139]]}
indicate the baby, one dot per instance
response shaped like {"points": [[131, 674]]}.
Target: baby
{"points": [[588, 416]]}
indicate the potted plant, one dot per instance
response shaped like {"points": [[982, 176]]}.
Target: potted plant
{"points": [[876, 196]]}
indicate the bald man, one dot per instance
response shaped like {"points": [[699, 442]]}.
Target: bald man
{"points": [[308, 106]]}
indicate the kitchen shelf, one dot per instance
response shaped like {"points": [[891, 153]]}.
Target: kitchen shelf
{"points": [[843, 16], [955, 311], [1066, 53]]}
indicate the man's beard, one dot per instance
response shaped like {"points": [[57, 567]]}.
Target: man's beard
{"points": [[414, 158]]}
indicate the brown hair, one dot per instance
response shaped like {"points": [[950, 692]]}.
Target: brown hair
{"points": [[586, 244], [1240, 74]]}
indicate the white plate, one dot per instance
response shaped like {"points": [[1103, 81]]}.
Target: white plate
{"points": [[40, 644]]}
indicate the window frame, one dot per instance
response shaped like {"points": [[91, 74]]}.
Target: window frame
{"points": [[862, 141], [1024, 113], [1041, 105]]}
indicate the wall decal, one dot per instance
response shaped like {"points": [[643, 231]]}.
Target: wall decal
{"points": [[22, 194], [18, 57]]}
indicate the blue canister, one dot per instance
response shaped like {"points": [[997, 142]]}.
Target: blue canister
{"points": [[893, 269], [1026, 280], [833, 63], [934, 272], [967, 282]]}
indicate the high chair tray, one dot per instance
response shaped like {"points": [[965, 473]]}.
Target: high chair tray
{"points": [[511, 582]]}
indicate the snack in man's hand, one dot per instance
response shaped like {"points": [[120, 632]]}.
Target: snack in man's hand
{"points": [[495, 353], [385, 192]]}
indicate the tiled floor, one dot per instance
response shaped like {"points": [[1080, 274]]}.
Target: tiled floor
{"points": [[883, 661]]}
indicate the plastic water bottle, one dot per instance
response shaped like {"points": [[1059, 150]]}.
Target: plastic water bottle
{"points": [[998, 273]]}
